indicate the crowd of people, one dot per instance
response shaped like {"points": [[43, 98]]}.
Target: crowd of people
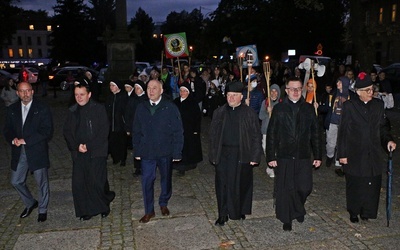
{"points": [[158, 115]]}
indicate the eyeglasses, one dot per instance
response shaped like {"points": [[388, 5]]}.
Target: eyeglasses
{"points": [[368, 90], [295, 89]]}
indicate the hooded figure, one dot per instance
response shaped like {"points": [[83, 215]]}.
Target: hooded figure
{"points": [[333, 110], [264, 115], [143, 76]]}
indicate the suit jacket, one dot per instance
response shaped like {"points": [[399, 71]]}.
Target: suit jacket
{"points": [[36, 131]]}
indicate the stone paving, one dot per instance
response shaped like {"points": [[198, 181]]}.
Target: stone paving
{"points": [[193, 209]]}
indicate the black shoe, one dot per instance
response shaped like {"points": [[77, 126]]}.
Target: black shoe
{"points": [[300, 219], [123, 164], [115, 162], [329, 161], [28, 211], [243, 217], [339, 172], [42, 217], [221, 220], [137, 172], [287, 226], [364, 218], [86, 217], [354, 219], [104, 215]]}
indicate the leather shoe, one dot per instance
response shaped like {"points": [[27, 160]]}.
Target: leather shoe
{"points": [[137, 172], [300, 219], [146, 218], [287, 226], [27, 211], [42, 217], [86, 217], [221, 220], [353, 219], [164, 210], [105, 214], [364, 218], [339, 172], [243, 217]]}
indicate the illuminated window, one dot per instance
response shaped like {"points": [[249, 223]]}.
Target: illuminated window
{"points": [[48, 27], [31, 27], [154, 35], [21, 52], [30, 53], [380, 15], [394, 8], [10, 53]]}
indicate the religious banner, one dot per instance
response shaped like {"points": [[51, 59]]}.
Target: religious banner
{"points": [[176, 45], [242, 54]]}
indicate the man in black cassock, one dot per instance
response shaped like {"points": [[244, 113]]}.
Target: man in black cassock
{"points": [[363, 133], [292, 136], [86, 133], [235, 148]]}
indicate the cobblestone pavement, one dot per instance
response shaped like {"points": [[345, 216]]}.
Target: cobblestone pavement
{"points": [[193, 210]]}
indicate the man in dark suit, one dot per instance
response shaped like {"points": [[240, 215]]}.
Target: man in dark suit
{"points": [[157, 136], [28, 128]]}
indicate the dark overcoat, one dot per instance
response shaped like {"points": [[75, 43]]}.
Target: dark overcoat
{"points": [[249, 133], [363, 134], [191, 121], [159, 134], [36, 131], [97, 125], [289, 136]]}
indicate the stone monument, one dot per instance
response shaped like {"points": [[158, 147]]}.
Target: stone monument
{"points": [[120, 47]]}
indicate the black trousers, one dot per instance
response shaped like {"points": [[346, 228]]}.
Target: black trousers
{"points": [[90, 187], [293, 184], [362, 195], [233, 184], [117, 145]]}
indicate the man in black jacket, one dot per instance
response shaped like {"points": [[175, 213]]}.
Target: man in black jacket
{"points": [[86, 132], [292, 135], [235, 148], [363, 131]]}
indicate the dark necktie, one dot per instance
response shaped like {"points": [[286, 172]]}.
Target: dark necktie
{"points": [[153, 104]]}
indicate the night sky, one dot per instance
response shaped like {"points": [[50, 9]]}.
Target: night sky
{"points": [[156, 9]]}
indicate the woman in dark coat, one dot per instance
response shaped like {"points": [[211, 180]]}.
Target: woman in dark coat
{"points": [[116, 107], [191, 120]]}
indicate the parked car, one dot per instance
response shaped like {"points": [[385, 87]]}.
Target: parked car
{"points": [[102, 75], [392, 73], [140, 66], [60, 75], [32, 73], [4, 78]]}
